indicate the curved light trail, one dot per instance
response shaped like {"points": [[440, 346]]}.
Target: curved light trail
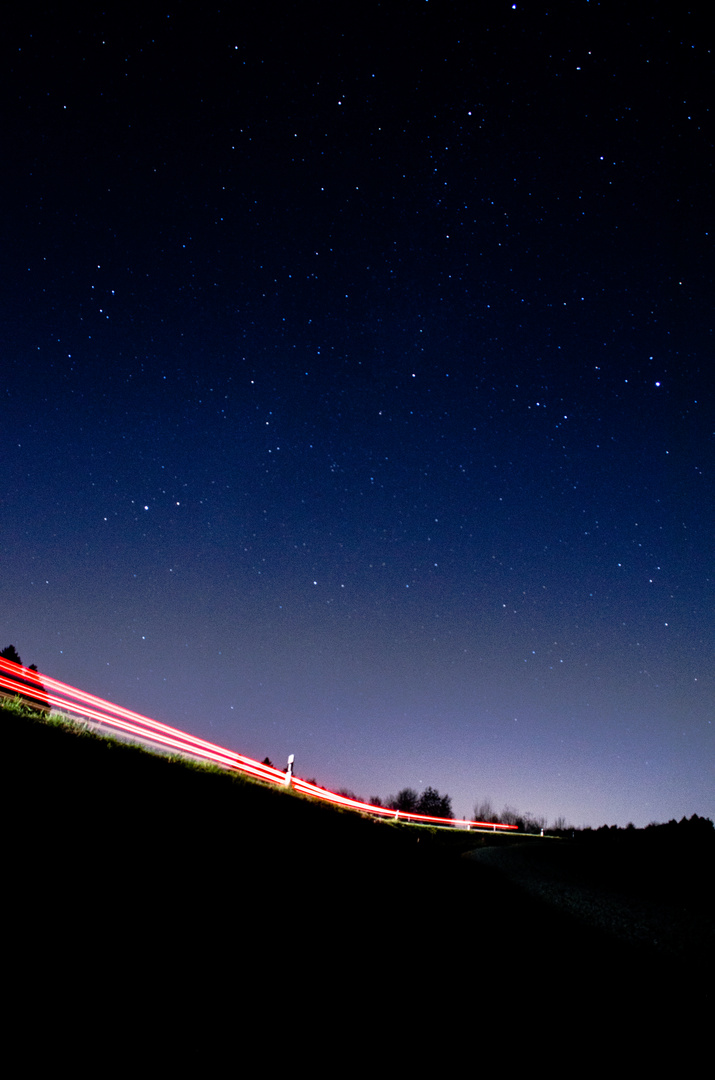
{"points": [[47, 691]]}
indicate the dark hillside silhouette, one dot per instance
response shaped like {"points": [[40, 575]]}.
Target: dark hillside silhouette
{"points": [[152, 878]]}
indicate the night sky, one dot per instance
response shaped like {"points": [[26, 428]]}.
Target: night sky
{"points": [[357, 394]]}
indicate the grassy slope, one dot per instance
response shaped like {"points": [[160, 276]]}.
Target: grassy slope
{"points": [[151, 880]]}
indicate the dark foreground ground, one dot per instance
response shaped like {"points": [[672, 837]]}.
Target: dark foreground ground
{"points": [[656, 898], [201, 915]]}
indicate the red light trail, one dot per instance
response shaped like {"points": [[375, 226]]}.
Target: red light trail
{"points": [[47, 691]]}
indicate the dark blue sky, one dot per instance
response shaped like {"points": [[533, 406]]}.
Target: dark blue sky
{"points": [[358, 395]]}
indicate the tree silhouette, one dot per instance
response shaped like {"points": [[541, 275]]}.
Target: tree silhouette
{"points": [[510, 816], [406, 800], [11, 653], [484, 811], [430, 802], [36, 696], [434, 804]]}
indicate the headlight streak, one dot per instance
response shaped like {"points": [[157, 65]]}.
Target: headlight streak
{"points": [[82, 704]]}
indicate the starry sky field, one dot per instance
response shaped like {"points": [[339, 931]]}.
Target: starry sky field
{"points": [[357, 394]]}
